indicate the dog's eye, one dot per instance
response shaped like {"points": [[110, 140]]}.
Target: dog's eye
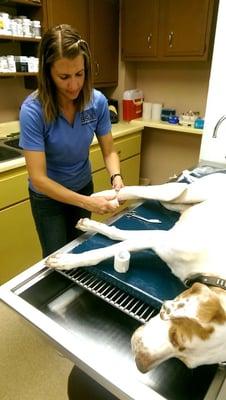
{"points": [[181, 305]]}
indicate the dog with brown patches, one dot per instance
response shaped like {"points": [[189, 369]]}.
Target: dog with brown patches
{"points": [[192, 327]]}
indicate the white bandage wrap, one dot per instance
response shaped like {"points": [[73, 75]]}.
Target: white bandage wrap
{"points": [[121, 261]]}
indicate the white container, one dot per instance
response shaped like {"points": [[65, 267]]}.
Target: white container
{"points": [[19, 27], [36, 64], [36, 29], [4, 24], [132, 104], [26, 25], [146, 113], [11, 63], [121, 261], [3, 64], [156, 112], [13, 27]]}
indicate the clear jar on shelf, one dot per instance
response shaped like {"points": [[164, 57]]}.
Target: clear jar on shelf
{"points": [[36, 29], [4, 23]]}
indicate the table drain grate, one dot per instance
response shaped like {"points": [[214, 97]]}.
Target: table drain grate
{"points": [[118, 298]]}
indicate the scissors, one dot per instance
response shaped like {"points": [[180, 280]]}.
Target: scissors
{"points": [[133, 214]]}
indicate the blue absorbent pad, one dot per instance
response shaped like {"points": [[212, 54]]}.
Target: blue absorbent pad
{"points": [[148, 278]]}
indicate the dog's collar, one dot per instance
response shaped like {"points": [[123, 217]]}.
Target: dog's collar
{"points": [[207, 280]]}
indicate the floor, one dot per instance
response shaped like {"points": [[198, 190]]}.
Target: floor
{"points": [[30, 367]]}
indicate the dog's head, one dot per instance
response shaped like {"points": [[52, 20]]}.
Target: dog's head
{"points": [[192, 327]]}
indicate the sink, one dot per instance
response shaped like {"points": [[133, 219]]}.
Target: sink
{"points": [[10, 149], [7, 153], [14, 142]]}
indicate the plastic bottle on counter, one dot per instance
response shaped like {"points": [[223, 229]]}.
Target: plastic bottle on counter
{"points": [[132, 104], [199, 123]]}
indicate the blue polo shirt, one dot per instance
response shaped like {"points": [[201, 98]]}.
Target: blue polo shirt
{"points": [[66, 146]]}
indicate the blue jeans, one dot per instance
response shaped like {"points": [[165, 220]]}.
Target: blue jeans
{"points": [[55, 221]]}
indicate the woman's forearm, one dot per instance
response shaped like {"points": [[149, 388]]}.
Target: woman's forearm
{"points": [[58, 192]]}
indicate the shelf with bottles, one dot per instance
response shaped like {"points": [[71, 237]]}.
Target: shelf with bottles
{"points": [[16, 74], [19, 38], [32, 3], [12, 65], [19, 26]]}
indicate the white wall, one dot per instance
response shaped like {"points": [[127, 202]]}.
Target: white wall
{"points": [[213, 150], [180, 85]]}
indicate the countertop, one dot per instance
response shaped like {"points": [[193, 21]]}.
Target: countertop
{"points": [[118, 130], [122, 128], [167, 126]]}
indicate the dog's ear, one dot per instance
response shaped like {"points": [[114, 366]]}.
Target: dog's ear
{"points": [[183, 306], [199, 303]]}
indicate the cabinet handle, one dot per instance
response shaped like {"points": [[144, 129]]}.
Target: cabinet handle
{"points": [[97, 68], [149, 40], [119, 152], [170, 39]]}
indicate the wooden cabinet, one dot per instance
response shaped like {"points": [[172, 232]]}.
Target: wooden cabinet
{"points": [[139, 28], [19, 243], [72, 12], [185, 28], [97, 21], [167, 29], [19, 247], [104, 41]]}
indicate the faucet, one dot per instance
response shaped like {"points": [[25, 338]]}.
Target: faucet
{"points": [[217, 126]]}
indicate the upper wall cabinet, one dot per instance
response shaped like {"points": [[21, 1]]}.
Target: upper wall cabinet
{"points": [[97, 22], [139, 28], [104, 41], [167, 29], [72, 12]]}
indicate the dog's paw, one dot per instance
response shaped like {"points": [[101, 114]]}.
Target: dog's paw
{"points": [[88, 225], [114, 203], [61, 261]]}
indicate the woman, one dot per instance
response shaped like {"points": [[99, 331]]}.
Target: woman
{"points": [[57, 123]]}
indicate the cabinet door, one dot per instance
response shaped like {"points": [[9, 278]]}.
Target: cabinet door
{"points": [[19, 247], [72, 12], [104, 38], [140, 21], [185, 28]]}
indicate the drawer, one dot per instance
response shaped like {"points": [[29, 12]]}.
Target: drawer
{"points": [[19, 246], [13, 187], [125, 146]]}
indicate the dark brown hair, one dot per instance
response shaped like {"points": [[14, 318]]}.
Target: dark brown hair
{"points": [[58, 42]]}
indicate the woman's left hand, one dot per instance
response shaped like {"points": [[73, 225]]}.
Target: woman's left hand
{"points": [[117, 183]]}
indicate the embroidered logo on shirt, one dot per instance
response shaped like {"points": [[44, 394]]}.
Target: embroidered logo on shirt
{"points": [[88, 116]]}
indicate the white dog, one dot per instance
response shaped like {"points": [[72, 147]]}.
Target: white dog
{"points": [[192, 327]]}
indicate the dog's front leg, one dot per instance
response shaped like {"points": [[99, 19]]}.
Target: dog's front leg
{"points": [[68, 261], [91, 226], [165, 192]]}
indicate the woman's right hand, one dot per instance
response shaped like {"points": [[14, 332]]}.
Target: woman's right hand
{"points": [[101, 205]]}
